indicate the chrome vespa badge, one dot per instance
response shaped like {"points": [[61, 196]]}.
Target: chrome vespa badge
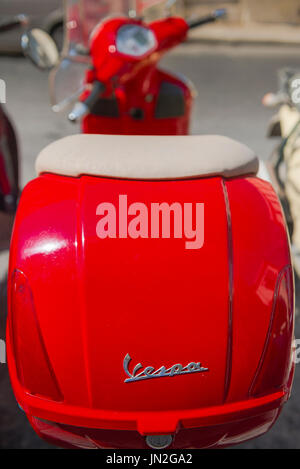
{"points": [[163, 372]]}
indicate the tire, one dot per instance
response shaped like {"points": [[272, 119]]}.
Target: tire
{"points": [[57, 34]]}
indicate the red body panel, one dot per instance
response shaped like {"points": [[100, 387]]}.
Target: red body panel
{"points": [[97, 300], [136, 82]]}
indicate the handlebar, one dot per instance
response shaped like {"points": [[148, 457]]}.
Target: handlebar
{"points": [[83, 107], [275, 99], [214, 16], [13, 22]]}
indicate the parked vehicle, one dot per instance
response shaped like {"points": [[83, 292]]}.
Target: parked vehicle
{"points": [[147, 100], [284, 162], [150, 279], [45, 14], [9, 166]]}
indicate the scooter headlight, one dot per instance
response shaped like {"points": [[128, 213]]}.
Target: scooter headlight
{"points": [[135, 40]]}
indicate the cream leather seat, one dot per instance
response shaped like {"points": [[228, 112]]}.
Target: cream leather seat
{"points": [[147, 157]]}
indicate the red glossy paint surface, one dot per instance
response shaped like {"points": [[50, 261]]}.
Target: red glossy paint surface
{"points": [[215, 436], [260, 256], [136, 82], [109, 63], [30, 351], [132, 95], [97, 300]]}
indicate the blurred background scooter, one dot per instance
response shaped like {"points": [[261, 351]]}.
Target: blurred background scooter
{"points": [[284, 164], [9, 160]]}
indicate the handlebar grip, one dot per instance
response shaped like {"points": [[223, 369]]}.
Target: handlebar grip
{"points": [[217, 14], [97, 90], [13, 22], [83, 107], [79, 110]]}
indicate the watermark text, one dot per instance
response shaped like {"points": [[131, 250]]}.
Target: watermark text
{"points": [[160, 220]]}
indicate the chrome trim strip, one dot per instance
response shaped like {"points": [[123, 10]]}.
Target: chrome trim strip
{"points": [[230, 292]]}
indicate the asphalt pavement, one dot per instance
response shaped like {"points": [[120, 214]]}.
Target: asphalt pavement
{"points": [[231, 81]]}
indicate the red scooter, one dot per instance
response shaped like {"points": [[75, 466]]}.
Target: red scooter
{"points": [[150, 283], [123, 91], [9, 166]]}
